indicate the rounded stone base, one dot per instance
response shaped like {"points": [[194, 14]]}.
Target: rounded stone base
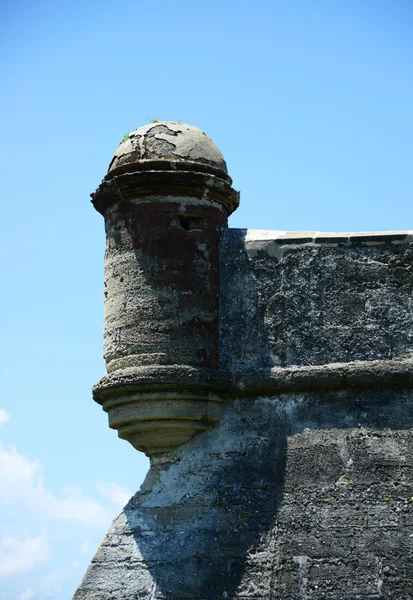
{"points": [[157, 409], [158, 422]]}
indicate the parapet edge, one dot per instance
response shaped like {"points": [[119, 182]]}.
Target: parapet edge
{"points": [[320, 237]]}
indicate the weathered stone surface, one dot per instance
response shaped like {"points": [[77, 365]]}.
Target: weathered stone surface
{"points": [[291, 300], [161, 283], [288, 497], [171, 140]]}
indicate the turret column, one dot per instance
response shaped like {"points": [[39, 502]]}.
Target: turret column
{"points": [[165, 200]]}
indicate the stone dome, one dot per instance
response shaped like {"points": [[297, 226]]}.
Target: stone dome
{"points": [[167, 141]]}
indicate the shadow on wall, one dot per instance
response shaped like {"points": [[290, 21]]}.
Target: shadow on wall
{"points": [[220, 520], [208, 511], [165, 277]]}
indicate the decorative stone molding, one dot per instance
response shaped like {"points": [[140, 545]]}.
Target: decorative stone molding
{"points": [[157, 408]]}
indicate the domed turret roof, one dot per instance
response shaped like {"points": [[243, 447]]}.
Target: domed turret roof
{"points": [[166, 158], [167, 141]]}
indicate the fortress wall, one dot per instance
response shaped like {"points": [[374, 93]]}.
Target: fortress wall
{"points": [[290, 497], [305, 298]]}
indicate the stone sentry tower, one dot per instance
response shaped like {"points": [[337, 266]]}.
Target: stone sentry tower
{"points": [[268, 375], [166, 199]]}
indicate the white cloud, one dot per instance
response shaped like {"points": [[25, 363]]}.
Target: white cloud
{"points": [[76, 507], [85, 548], [22, 485], [27, 595], [18, 556], [23, 492], [53, 583], [117, 495], [4, 416]]}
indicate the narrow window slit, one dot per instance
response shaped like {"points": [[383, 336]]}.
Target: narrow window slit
{"points": [[191, 223]]}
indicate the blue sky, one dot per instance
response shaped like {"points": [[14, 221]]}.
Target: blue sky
{"points": [[311, 104]]}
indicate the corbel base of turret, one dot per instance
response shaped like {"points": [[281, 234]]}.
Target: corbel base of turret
{"points": [[157, 408]]}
